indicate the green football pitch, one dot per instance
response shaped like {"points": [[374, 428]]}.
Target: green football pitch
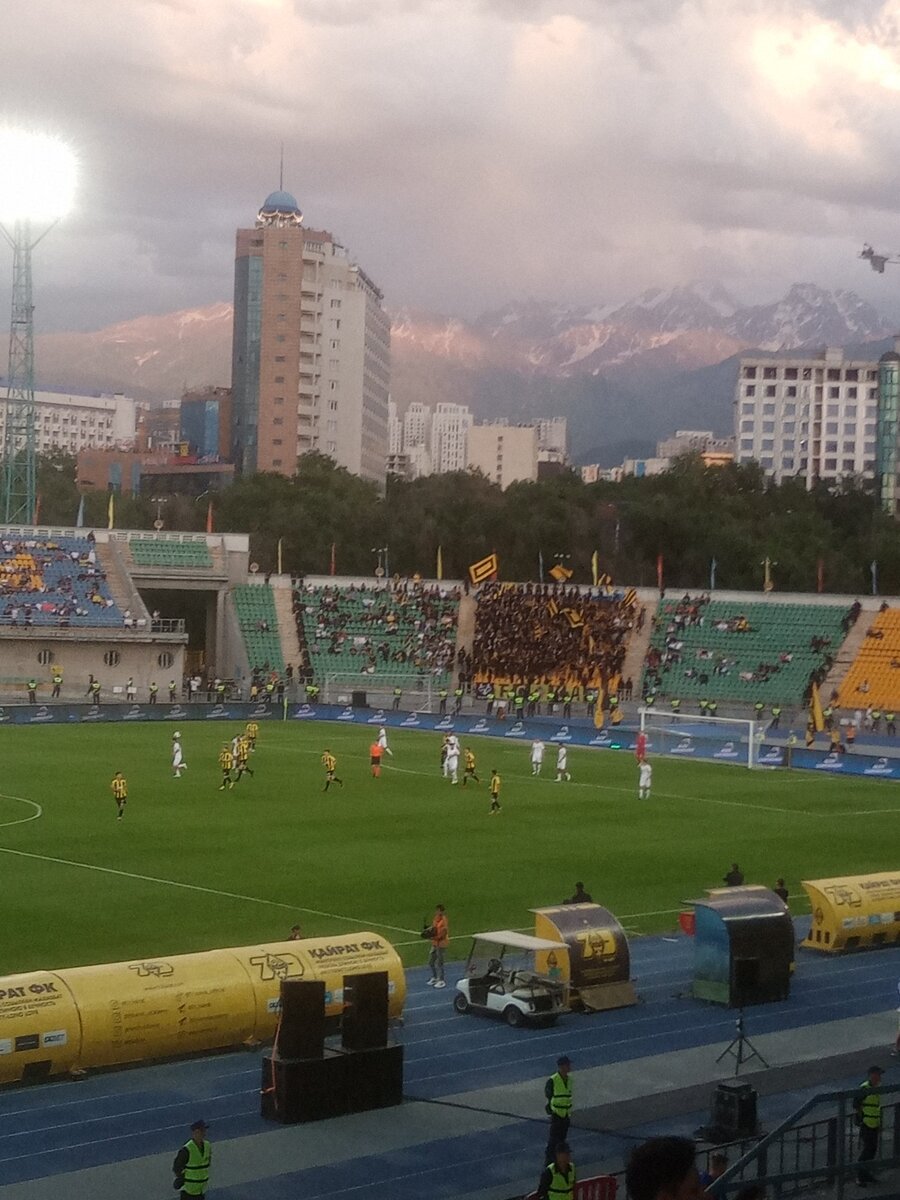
{"points": [[191, 867]]}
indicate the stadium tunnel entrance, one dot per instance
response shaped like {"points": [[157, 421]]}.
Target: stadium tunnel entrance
{"points": [[199, 611]]}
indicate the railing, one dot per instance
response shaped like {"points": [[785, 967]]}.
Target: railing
{"points": [[74, 633], [794, 1155]]}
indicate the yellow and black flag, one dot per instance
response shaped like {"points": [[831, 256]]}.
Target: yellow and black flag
{"points": [[560, 573], [484, 569], [575, 619], [816, 716], [629, 599], [552, 607]]}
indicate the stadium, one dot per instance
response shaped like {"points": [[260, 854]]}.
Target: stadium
{"points": [[135, 922]]}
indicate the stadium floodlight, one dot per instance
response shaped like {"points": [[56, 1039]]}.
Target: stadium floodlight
{"points": [[37, 188]]}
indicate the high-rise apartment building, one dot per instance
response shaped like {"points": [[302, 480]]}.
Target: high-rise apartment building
{"points": [[311, 350], [504, 453], [417, 425], [72, 422], [810, 415], [450, 427]]}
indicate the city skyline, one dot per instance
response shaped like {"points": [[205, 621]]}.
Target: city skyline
{"points": [[464, 150]]}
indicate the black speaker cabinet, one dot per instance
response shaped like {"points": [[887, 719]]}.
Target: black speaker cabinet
{"points": [[296, 1090], [364, 1025], [359, 700], [374, 1078], [733, 1111], [302, 1030]]}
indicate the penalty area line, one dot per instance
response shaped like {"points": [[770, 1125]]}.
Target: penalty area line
{"points": [[197, 887]]}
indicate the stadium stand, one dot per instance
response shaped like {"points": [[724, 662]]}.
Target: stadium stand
{"points": [[254, 606], [873, 680], [738, 651], [391, 633], [529, 634], [55, 582], [159, 552]]}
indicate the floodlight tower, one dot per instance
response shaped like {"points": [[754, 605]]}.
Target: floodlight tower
{"points": [[37, 176]]}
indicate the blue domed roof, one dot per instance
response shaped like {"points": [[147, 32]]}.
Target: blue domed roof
{"points": [[280, 202]]}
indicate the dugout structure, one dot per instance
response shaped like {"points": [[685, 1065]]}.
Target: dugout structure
{"points": [[854, 912], [743, 947], [53, 1022], [597, 967]]}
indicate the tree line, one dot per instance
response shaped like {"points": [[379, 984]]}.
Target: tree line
{"points": [[695, 521]]}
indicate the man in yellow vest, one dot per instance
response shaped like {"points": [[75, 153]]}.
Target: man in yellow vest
{"points": [[557, 1181], [558, 1094], [191, 1165], [868, 1118]]}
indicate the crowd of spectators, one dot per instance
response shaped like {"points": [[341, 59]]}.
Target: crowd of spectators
{"points": [[550, 634], [54, 583], [404, 626]]}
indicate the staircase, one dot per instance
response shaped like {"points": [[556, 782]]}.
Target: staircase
{"points": [[638, 644], [287, 625], [848, 651], [120, 584], [465, 629]]}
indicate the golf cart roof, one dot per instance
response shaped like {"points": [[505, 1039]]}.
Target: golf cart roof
{"points": [[518, 941]]}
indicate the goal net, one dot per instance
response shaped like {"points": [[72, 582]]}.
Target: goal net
{"points": [[684, 735], [418, 693]]}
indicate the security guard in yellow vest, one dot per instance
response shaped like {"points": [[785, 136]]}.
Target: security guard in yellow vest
{"points": [[557, 1180], [558, 1094], [868, 1117], [191, 1165]]}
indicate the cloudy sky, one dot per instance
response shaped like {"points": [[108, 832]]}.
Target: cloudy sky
{"points": [[466, 151]]}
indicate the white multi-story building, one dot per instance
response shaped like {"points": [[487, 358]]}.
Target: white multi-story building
{"points": [[395, 431], [504, 453], [417, 425], [311, 349], [553, 439], [698, 441], [71, 422], [450, 427], [809, 415]]}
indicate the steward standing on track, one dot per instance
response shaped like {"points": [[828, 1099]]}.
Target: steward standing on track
{"points": [[191, 1165], [558, 1179], [558, 1093]]}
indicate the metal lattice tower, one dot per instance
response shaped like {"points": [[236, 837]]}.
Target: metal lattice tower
{"points": [[17, 498]]}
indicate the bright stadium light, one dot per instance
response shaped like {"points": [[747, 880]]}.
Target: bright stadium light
{"points": [[37, 187], [37, 177]]}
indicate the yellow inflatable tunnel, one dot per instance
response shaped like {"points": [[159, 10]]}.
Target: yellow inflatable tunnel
{"points": [[854, 912], [52, 1022]]}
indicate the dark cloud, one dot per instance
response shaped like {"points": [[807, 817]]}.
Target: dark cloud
{"points": [[467, 152]]}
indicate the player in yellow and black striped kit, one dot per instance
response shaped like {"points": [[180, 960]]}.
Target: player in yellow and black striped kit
{"points": [[119, 788], [252, 732], [329, 762], [226, 762], [243, 758]]}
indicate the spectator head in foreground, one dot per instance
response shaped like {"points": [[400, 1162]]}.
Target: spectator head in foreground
{"points": [[664, 1169]]}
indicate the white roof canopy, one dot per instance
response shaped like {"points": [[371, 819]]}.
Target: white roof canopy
{"points": [[518, 941]]}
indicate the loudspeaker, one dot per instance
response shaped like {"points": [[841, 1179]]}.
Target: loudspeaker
{"points": [[364, 1025], [359, 700], [294, 1091], [733, 1113], [374, 1078], [302, 1030], [745, 982]]}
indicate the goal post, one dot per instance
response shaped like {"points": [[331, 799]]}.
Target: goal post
{"points": [[689, 735], [419, 693]]}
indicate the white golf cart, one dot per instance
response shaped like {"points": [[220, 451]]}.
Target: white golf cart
{"points": [[502, 979]]}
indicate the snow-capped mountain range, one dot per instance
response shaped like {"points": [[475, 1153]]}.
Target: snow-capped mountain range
{"points": [[619, 371]]}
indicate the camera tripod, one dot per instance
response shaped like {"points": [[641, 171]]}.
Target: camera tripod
{"points": [[741, 1048]]}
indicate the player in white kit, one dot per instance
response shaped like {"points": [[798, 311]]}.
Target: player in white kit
{"points": [[451, 765], [537, 756], [645, 780], [382, 741], [178, 763], [562, 764]]}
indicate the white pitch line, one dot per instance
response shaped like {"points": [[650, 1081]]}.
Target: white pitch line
{"points": [[38, 811], [196, 887]]}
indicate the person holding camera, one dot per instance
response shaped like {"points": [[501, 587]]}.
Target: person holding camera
{"points": [[439, 932]]}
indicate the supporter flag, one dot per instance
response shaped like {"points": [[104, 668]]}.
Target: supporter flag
{"points": [[599, 715], [659, 572], [575, 619], [79, 520], [111, 511], [712, 574], [37, 509], [560, 573], [820, 575], [552, 607], [280, 540], [485, 569], [595, 566], [768, 582], [604, 580], [209, 517], [630, 598], [439, 564], [873, 571], [333, 569], [816, 716], [540, 566]]}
